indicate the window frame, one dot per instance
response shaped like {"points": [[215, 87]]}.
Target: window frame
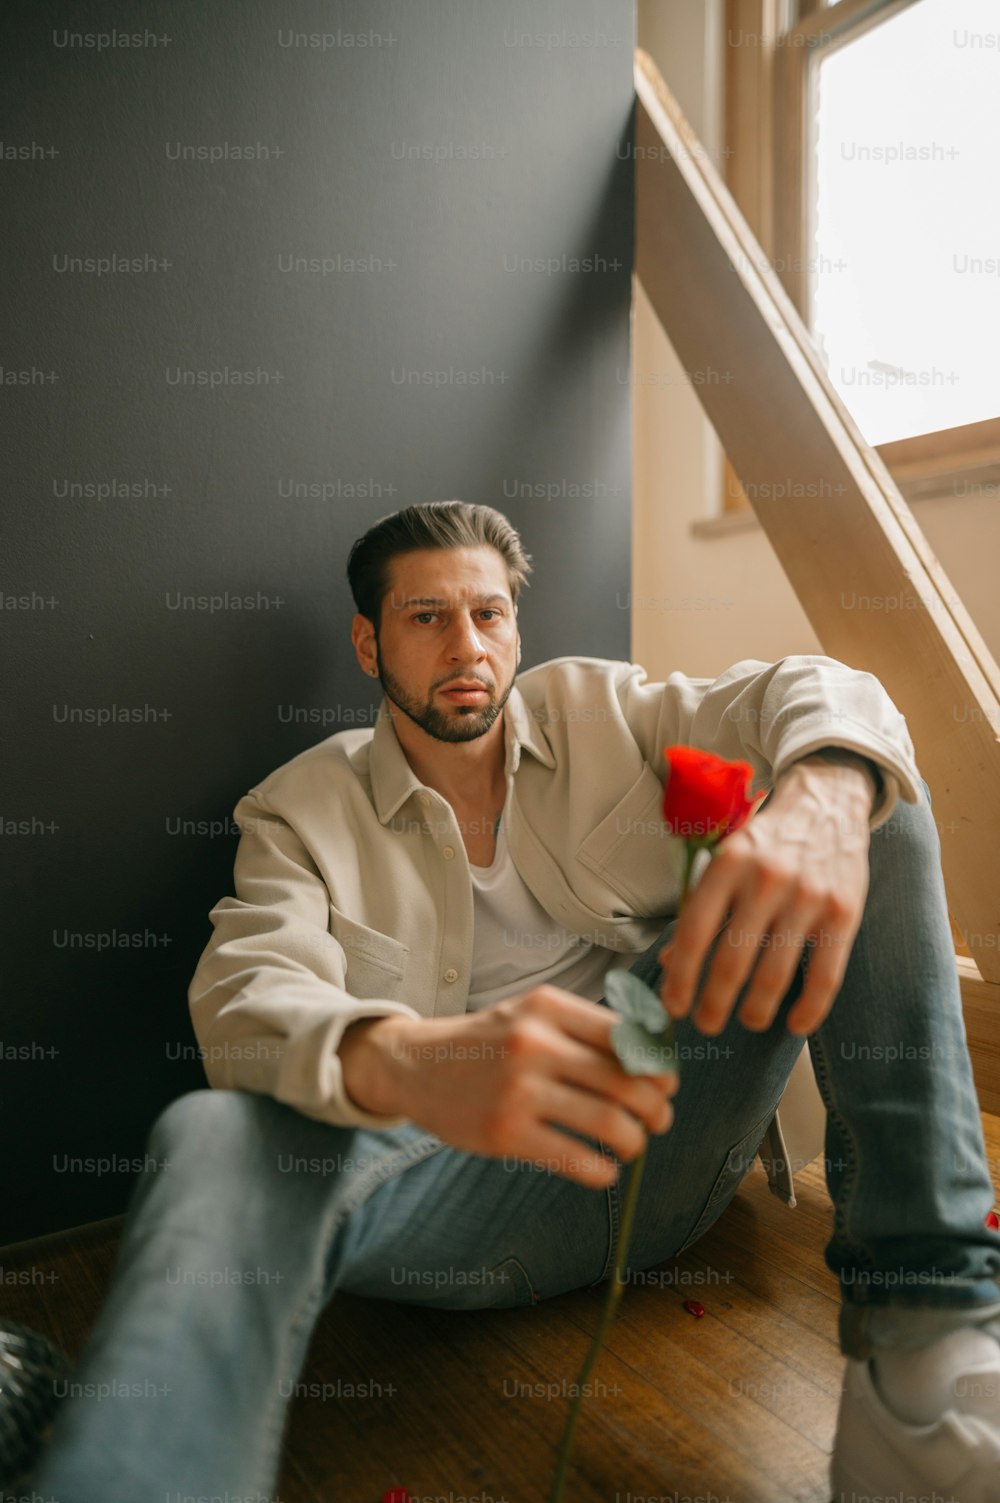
{"points": [[769, 153]]}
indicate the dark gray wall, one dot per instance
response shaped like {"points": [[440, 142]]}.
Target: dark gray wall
{"points": [[455, 138]]}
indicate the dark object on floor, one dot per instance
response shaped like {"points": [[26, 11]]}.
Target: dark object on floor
{"points": [[30, 1366]]}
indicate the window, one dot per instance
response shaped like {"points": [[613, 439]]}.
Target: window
{"points": [[862, 138]]}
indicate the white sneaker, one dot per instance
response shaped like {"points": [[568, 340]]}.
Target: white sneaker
{"points": [[878, 1458]]}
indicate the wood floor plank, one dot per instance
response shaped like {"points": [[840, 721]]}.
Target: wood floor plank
{"points": [[739, 1403], [653, 1426]]}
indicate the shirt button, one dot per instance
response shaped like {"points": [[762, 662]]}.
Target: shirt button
{"points": [[448, 852], [451, 974], [424, 798]]}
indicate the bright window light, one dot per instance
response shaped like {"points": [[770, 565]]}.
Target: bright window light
{"points": [[906, 260]]}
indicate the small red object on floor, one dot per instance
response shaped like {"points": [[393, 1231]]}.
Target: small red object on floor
{"points": [[694, 1307], [993, 1220], [396, 1495]]}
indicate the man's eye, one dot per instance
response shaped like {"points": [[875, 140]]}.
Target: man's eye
{"points": [[487, 611]]}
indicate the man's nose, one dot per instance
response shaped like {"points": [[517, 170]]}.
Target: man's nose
{"points": [[465, 639]]}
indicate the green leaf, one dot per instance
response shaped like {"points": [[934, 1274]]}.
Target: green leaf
{"points": [[643, 1037], [634, 999], [642, 1052]]}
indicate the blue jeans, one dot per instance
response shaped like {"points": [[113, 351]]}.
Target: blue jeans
{"points": [[252, 1215]]}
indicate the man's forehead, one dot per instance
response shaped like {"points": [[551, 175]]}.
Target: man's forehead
{"points": [[446, 577]]}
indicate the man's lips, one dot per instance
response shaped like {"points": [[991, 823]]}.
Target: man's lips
{"points": [[461, 693]]}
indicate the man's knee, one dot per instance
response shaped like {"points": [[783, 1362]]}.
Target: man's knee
{"points": [[207, 1119], [910, 830]]}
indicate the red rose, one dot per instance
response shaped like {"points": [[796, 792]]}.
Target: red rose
{"points": [[705, 797]]}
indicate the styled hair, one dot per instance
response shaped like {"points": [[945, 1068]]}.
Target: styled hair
{"points": [[433, 524]]}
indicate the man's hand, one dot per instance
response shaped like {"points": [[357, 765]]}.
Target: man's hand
{"points": [[493, 1081], [797, 871]]}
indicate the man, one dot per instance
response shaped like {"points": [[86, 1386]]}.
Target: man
{"points": [[417, 1098]]}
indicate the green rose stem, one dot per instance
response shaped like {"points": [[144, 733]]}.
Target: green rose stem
{"points": [[610, 1305], [615, 1292]]}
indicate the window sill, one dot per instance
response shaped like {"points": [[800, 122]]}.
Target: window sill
{"points": [[732, 521], [953, 486]]}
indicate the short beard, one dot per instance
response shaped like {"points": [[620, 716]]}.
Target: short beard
{"points": [[469, 724]]}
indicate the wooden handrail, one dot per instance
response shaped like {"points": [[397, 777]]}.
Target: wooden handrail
{"points": [[789, 436]]}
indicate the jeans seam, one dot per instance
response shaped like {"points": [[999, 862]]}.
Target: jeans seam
{"points": [[317, 1296], [535, 1295], [841, 1209], [388, 1168], [278, 1411], [378, 1175], [614, 1225], [715, 1194]]}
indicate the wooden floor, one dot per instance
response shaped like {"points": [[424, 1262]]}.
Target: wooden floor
{"points": [[739, 1404]]}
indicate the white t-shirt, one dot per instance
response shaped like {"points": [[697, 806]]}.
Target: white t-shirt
{"points": [[516, 944]]}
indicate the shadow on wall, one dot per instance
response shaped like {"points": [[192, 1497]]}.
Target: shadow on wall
{"points": [[217, 431]]}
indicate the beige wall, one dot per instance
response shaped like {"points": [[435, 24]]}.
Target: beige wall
{"points": [[701, 603]]}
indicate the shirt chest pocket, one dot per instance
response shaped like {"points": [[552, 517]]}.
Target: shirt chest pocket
{"points": [[376, 963], [628, 850]]}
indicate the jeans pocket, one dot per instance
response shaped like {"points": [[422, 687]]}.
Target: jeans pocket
{"points": [[735, 1167], [512, 1283], [502, 1287]]}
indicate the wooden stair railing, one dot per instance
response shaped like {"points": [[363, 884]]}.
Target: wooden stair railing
{"points": [[788, 435]]}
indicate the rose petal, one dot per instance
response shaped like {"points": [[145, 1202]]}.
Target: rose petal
{"points": [[694, 1307], [705, 797]]}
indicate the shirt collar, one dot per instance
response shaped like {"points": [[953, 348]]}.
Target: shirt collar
{"points": [[393, 779]]}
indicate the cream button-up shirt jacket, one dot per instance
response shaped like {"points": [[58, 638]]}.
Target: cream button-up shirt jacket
{"points": [[353, 896]]}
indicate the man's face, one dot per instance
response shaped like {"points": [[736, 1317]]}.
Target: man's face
{"points": [[448, 615]]}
